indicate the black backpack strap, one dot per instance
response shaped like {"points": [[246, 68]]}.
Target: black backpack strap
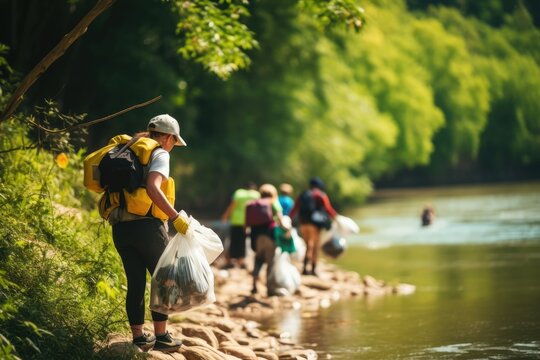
{"points": [[122, 197], [127, 145]]}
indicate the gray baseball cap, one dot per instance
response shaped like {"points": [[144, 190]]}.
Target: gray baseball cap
{"points": [[168, 125]]}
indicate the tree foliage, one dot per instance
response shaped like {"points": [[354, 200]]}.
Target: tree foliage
{"points": [[425, 85]]}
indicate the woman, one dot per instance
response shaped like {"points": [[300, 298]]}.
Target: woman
{"points": [[262, 236], [313, 201], [285, 198], [141, 239]]}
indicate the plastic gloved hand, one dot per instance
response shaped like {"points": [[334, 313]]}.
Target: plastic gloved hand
{"points": [[180, 224]]}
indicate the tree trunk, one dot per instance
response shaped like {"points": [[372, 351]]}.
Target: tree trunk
{"points": [[53, 55]]}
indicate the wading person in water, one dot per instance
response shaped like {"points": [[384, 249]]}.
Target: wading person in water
{"points": [[428, 215], [140, 239], [315, 213]]}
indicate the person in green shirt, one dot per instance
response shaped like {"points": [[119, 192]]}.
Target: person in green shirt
{"points": [[236, 214]]}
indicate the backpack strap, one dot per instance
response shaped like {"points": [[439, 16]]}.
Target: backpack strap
{"points": [[128, 144]]}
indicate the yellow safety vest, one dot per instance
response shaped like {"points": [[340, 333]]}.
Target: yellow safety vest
{"points": [[137, 202]]}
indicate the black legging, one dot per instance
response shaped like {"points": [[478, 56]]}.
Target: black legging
{"points": [[140, 243]]}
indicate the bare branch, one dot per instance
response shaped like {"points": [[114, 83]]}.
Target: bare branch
{"points": [[93, 122], [30, 147], [53, 55]]}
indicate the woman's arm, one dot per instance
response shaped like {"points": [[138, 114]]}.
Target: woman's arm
{"points": [[327, 206], [153, 189]]}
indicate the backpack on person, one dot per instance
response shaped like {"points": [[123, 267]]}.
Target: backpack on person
{"points": [[120, 169], [117, 172], [118, 165], [259, 212], [313, 211], [307, 205]]}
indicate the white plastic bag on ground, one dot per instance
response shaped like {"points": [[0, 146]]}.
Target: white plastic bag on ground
{"points": [[284, 279], [183, 278]]}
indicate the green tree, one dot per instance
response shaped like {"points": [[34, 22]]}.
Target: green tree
{"points": [[512, 137], [387, 66], [460, 93], [507, 58]]}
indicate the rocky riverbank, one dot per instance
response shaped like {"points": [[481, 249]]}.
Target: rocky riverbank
{"points": [[229, 330]]}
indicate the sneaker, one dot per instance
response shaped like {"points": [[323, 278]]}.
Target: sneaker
{"points": [[145, 341], [166, 343]]}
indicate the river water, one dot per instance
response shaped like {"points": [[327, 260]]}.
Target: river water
{"points": [[477, 272]]}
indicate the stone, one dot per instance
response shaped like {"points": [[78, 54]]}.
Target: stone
{"points": [[202, 332], [297, 354], [222, 336], [371, 282], [231, 343], [286, 342], [316, 283], [199, 353], [266, 355], [224, 324], [241, 352], [158, 355], [261, 345], [178, 356], [193, 341], [243, 340], [255, 333]]}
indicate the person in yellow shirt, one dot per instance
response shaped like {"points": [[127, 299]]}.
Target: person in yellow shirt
{"points": [[236, 213]]}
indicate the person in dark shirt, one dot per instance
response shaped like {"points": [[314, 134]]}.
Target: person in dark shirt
{"points": [[310, 206]]}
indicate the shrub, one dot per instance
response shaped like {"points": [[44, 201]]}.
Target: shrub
{"points": [[60, 282]]}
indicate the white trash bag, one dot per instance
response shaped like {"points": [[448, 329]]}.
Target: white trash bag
{"points": [[346, 226], [183, 278], [334, 241], [284, 279], [206, 237]]}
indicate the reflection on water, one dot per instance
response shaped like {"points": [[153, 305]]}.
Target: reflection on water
{"points": [[515, 351], [476, 273]]}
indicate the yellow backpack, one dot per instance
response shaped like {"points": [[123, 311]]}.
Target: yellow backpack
{"points": [[142, 147], [137, 202]]}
